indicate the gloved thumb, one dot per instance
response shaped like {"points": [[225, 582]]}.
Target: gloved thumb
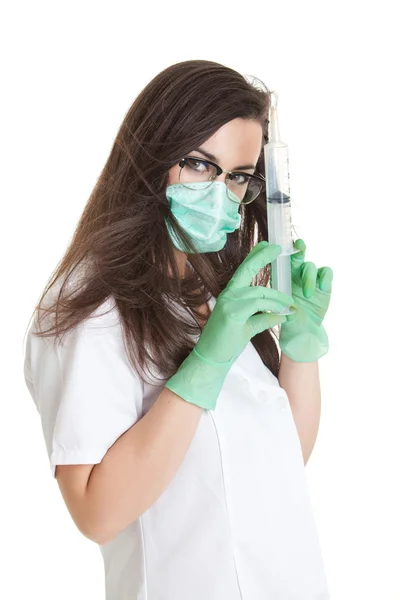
{"points": [[264, 321]]}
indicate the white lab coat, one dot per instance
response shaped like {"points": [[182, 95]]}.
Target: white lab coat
{"points": [[235, 523]]}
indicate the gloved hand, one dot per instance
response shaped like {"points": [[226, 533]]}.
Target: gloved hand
{"points": [[302, 337], [228, 330]]}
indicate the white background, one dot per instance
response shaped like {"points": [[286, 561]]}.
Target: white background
{"points": [[70, 72]]}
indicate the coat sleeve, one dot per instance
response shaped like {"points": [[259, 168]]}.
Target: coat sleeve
{"points": [[85, 390]]}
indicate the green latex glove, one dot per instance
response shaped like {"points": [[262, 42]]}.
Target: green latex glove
{"points": [[230, 327], [303, 337]]}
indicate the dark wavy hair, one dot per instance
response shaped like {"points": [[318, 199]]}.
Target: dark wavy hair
{"points": [[121, 247]]}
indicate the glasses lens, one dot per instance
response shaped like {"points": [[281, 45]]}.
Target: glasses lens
{"points": [[196, 170], [245, 187]]}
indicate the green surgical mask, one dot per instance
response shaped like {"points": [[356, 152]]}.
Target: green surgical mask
{"points": [[204, 212]]}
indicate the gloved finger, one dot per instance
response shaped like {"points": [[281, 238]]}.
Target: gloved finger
{"points": [[297, 259], [259, 323], [324, 279], [254, 292], [300, 244], [242, 310], [259, 256], [309, 274], [293, 318]]}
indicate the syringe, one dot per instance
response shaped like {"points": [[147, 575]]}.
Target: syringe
{"points": [[278, 205]]}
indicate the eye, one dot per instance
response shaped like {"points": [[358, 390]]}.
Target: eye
{"points": [[240, 178], [199, 166]]}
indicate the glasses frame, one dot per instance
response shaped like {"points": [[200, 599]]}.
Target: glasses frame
{"points": [[220, 170]]}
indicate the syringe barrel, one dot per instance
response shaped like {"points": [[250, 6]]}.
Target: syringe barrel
{"points": [[278, 196], [279, 214]]}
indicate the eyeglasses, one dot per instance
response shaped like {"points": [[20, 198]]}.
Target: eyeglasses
{"points": [[246, 187]]}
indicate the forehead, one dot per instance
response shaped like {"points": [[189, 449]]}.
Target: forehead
{"points": [[239, 141], [238, 135]]}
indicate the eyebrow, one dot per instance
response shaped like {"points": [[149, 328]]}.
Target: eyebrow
{"points": [[215, 159]]}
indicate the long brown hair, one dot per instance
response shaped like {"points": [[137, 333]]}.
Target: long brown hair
{"points": [[121, 247]]}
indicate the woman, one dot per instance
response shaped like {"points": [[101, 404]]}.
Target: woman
{"points": [[173, 443]]}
